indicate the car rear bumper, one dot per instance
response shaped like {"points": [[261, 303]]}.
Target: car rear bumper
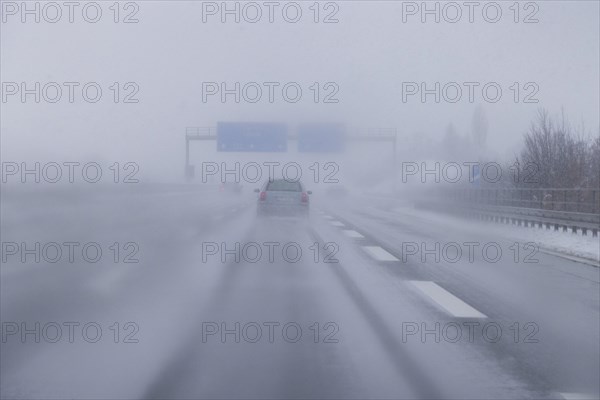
{"points": [[282, 210]]}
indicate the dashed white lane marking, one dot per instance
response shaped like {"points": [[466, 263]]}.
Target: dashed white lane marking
{"points": [[379, 254], [578, 396], [352, 234], [447, 300], [328, 217], [336, 223]]}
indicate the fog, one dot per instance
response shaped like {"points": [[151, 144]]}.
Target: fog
{"points": [[368, 54], [347, 199]]}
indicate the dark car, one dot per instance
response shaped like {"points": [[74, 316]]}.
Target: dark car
{"points": [[283, 197]]}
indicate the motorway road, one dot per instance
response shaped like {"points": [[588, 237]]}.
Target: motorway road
{"points": [[353, 316]]}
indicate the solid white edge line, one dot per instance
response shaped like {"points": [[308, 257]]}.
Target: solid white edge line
{"points": [[570, 257]]}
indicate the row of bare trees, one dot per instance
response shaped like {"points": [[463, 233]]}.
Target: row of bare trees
{"points": [[556, 155]]}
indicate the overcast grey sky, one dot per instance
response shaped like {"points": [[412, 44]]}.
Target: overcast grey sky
{"points": [[368, 54]]}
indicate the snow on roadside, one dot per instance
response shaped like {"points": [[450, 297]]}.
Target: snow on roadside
{"points": [[573, 244]]}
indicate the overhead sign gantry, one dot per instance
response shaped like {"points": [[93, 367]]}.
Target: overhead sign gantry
{"points": [[274, 137]]}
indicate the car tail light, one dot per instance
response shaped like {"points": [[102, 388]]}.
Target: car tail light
{"points": [[263, 196], [304, 197]]}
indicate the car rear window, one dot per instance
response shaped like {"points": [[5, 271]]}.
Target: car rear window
{"points": [[284, 186]]}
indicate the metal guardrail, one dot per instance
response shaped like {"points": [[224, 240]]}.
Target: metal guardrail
{"points": [[569, 200], [564, 220], [522, 216]]}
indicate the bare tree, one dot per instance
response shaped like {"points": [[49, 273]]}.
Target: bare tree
{"points": [[557, 156]]}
